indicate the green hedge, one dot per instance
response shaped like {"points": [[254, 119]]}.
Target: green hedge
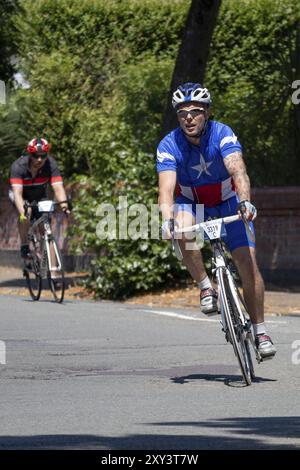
{"points": [[76, 54], [253, 62], [99, 73]]}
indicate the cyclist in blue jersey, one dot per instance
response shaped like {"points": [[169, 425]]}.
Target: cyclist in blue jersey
{"points": [[201, 162]]}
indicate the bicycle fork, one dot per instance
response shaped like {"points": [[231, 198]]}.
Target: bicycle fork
{"points": [[219, 265]]}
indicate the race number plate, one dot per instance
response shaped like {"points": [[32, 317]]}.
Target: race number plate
{"points": [[213, 229], [45, 206]]}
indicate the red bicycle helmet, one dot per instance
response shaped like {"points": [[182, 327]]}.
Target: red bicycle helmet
{"points": [[38, 146]]}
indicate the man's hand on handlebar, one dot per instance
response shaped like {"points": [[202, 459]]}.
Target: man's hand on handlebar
{"points": [[247, 210], [27, 212], [167, 229], [23, 217], [65, 207]]}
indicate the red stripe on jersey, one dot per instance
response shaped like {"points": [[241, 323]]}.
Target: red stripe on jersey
{"points": [[56, 179], [31, 182], [16, 181], [177, 190], [210, 195], [195, 194]]}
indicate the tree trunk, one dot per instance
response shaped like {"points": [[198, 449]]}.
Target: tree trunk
{"points": [[297, 107], [193, 52]]}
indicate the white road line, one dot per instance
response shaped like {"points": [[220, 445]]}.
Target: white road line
{"points": [[180, 316], [188, 317], [276, 322]]}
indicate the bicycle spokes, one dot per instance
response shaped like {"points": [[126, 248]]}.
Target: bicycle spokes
{"points": [[33, 276]]}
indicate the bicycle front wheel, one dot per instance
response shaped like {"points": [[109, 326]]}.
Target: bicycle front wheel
{"points": [[55, 273], [32, 274], [234, 325]]}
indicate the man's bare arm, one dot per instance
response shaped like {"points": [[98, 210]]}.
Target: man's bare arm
{"points": [[60, 194], [236, 167], [166, 184], [18, 198]]}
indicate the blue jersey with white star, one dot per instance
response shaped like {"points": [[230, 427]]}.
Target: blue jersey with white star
{"points": [[201, 173]]}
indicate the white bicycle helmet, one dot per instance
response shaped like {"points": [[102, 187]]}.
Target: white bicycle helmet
{"points": [[190, 92]]}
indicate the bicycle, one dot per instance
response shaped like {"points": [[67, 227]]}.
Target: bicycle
{"points": [[45, 259], [235, 320]]}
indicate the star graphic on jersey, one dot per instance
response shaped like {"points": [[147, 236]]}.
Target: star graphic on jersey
{"points": [[203, 166]]}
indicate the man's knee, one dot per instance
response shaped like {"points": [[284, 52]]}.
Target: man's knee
{"points": [[245, 260]]}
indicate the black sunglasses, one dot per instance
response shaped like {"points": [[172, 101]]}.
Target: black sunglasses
{"points": [[37, 155], [194, 112]]}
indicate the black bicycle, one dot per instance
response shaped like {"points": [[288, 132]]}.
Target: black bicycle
{"points": [[45, 260]]}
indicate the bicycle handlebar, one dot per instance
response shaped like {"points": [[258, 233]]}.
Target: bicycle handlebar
{"points": [[194, 228], [35, 204]]}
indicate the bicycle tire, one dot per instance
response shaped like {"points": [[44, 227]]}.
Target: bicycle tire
{"points": [[249, 336], [57, 283], [33, 276], [238, 338]]}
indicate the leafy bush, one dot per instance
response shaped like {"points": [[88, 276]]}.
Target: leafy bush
{"points": [[130, 124], [99, 74]]}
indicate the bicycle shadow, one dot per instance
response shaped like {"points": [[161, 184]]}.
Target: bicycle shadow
{"points": [[20, 282], [231, 380]]}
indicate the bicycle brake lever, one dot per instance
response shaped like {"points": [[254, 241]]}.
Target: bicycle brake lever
{"points": [[26, 205], [176, 248], [175, 244], [248, 229]]}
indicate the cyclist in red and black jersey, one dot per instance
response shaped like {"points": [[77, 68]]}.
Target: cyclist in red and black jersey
{"points": [[29, 177]]}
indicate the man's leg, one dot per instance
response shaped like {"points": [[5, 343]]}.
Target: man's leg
{"points": [[192, 259], [253, 292], [23, 232]]}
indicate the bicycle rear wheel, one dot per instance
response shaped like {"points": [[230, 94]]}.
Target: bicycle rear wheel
{"points": [[55, 273], [237, 331], [32, 274]]}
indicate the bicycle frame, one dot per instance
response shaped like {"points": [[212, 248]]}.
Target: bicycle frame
{"points": [[44, 223], [45, 250], [219, 259]]}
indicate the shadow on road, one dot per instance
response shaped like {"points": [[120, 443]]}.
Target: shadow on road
{"points": [[21, 283], [287, 427], [253, 434], [230, 380]]}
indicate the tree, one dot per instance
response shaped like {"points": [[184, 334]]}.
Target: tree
{"points": [[10, 138], [193, 53], [296, 110], [8, 43]]}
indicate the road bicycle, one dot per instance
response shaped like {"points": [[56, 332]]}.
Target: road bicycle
{"points": [[235, 320], [45, 259]]}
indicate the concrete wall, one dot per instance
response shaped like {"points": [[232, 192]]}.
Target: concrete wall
{"points": [[278, 233]]}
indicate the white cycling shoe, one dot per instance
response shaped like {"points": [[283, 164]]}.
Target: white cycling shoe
{"points": [[209, 301]]}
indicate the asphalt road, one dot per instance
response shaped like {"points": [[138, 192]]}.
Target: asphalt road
{"points": [[87, 375]]}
